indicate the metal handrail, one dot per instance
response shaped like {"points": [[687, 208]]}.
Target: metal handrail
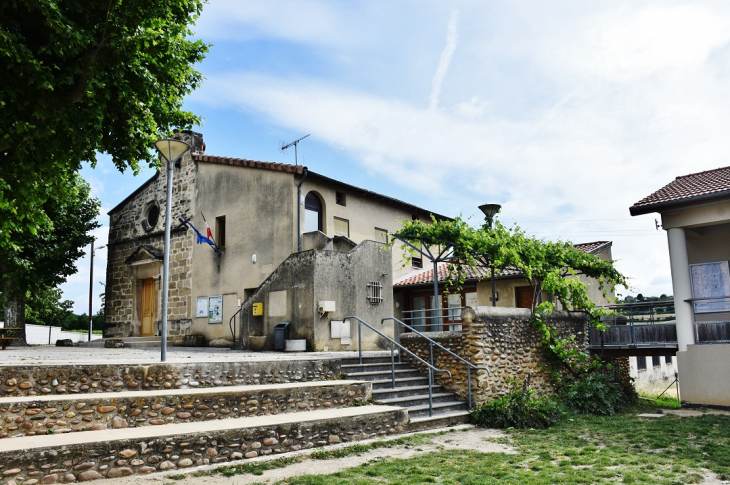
{"points": [[232, 325], [449, 351], [393, 343]]}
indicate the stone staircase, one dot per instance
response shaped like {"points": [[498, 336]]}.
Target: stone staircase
{"points": [[411, 392], [62, 424]]}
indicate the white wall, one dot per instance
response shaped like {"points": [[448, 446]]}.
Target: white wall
{"points": [[38, 335]]}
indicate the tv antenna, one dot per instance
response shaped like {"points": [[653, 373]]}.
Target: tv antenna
{"points": [[295, 143]]}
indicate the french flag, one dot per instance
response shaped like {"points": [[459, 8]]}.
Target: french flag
{"points": [[201, 239]]}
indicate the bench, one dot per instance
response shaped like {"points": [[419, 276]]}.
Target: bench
{"points": [[4, 341]]}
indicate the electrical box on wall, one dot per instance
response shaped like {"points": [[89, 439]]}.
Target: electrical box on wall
{"points": [[257, 309], [326, 306]]}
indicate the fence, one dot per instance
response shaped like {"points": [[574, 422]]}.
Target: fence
{"points": [[45, 335]]}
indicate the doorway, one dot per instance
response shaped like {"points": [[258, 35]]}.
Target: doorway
{"points": [[148, 307]]}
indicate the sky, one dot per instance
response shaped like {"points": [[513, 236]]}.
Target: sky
{"points": [[566, 113]]}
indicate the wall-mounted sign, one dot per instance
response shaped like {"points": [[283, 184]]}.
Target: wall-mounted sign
{"points": [[711, 280], [211, 307]]}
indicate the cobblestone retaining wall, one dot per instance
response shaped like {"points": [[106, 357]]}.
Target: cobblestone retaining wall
{"points": [[501, 339], [64, 464], [35, 380], [29, 417]]}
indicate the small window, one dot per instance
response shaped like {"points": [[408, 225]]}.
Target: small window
{"points": [[641, 363], [342, 227], [151, 216], [375, 292], [668, 359], [416, 262], [655, 361], [381, 235], [312, 213], [340, 198], [220, 231], [414, 217]]}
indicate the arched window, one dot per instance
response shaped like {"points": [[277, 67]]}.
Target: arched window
{"points": [[312, 213]]}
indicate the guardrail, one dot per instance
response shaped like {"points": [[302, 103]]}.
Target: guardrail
{"points": [[393, 343], [431, 344]]}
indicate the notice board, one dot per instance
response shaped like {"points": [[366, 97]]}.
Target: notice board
{"points": [[711, 280]]}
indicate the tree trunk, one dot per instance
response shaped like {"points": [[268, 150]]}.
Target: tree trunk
{"points": [[14, 316]]}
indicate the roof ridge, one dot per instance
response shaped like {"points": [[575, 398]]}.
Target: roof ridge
{"points": [[701, 173]]}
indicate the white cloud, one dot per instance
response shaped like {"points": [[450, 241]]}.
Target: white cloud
{"points": [[452, 38]]}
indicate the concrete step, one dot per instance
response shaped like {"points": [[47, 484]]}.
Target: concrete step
{"points": [[385, 359], [29, 416], [129, 342], [400, 382], [124, 452], [388, 393], [416, 400], [384, 367], [380, 375], [439, 420], [438, 408]]}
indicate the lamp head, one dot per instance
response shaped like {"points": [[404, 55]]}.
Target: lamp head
{"points": [[489, 210], [171, 150]]}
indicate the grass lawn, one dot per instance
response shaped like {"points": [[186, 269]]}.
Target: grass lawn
{"points": [[583, 449]]}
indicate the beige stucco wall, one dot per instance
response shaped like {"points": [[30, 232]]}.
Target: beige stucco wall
{"points": [[703, 374], [708, 214], [364, 214]]}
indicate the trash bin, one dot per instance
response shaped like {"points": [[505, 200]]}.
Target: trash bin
{"points": [[281, 334]]}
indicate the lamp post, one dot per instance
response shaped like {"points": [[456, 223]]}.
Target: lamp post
{"points": [[91, 287], [171, 151], [490, 210]]}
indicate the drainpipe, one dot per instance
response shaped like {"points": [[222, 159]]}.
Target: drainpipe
{"points": [[299, 209]]}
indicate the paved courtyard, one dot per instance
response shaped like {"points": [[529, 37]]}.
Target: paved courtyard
{"points": [[45, 354]]}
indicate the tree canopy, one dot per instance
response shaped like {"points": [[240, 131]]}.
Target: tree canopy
{"points": [[43, 260], [83, 77], [548, 266]]}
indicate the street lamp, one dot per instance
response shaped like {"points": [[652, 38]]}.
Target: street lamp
{"points": [[91, 286], [171, 151], [490, 210]]}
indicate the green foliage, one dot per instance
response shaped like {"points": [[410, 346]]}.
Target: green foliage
{"points": [[84, 77], [548, 266], [522, 408], [43, 260], [44, 307], [600, 393]]}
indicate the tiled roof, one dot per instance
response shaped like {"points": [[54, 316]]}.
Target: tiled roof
{"points": [[425, 276], [242, 162], [686, 188]]}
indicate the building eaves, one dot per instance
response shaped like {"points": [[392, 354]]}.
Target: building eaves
{"points": [[374, 195], [707, 186], [133, 194], [425, 276], [299, 169]]}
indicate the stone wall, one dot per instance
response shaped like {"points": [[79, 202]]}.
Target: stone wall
{"points": [[32, 380], [119, 458], [128, 231], [504, 341], [29, 417]]}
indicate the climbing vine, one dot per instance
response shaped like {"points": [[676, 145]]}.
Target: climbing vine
{"points": [[550, 267]]}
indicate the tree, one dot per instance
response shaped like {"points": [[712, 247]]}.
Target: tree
{"points": [[83, 77], [550, 267], [43, 306], [44, 260]]}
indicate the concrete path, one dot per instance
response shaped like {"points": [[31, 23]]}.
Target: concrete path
{"points": [[45, 354]]}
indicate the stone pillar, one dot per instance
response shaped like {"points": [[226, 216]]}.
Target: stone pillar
{"points": [[682, 287]]}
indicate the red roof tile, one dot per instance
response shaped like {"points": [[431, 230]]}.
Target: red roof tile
{"points": [[242, 162], [425, 276], [686, 188]]}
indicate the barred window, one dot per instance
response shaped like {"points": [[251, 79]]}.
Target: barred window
{"points": [[375, 292]]}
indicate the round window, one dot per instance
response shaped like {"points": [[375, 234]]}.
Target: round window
{"points": [[152, 215]]}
